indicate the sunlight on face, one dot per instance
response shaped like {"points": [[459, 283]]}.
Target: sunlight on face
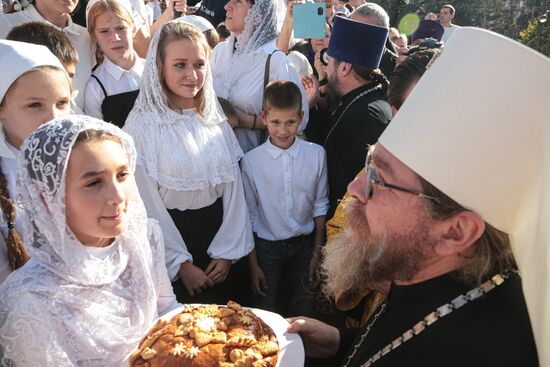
{"points": [[97, 191], [184, 68], [35, 98], [235, 13], [115, 37], [282, 125]]}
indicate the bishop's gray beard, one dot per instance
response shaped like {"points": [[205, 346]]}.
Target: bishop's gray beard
{"points": [[356, 261]]}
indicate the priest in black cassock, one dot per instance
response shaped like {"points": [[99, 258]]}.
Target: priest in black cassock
{"points": [[354, 55], [451, 219]]}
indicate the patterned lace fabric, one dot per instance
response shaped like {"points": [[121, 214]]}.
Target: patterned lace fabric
{"points": [[260, 28], [181, 150], [66, 306]]}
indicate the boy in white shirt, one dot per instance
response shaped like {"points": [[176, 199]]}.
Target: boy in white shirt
{"points": [[286, 190]]}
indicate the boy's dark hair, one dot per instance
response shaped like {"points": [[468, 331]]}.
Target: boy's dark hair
{"points": [[282, 94], [222, 30], [44, 34]]}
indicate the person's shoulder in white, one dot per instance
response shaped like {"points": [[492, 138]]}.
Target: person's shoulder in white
{"points": [[448, 31], [139, 65], [220, 48], [269, 47], [312, 146], [255, 153], [8, 21], [93, 97], [30, 14]]}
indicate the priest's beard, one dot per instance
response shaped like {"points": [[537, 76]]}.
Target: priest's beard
{"points": [[333, 95], [356, 261]]}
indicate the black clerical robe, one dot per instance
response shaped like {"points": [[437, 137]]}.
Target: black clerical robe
{"points": [[493, 330], [349, 135]]}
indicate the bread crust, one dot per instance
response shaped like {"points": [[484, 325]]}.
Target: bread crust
{"points": [[208, 336]]}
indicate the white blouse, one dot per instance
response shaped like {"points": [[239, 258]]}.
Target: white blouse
{"points": [[53, 336], [115, 80], [8, 162], [285, 189], [234, 237], [166, 300], [246, 90]]}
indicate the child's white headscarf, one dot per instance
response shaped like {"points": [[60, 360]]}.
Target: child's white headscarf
{"points": [[17, 58], [69, 306]]}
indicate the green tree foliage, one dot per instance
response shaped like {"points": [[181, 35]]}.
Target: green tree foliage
{"points": [[508, 17], [537, 36]]}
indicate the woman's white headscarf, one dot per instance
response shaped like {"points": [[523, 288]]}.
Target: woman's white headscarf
{"points": [[181, 150], [260, 29], [65, 304], [261, 26]]}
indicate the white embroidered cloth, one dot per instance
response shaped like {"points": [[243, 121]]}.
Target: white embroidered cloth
{"points": [[181, 150], [67, 306]]}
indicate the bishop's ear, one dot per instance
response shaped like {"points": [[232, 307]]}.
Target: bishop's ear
{"points": [[459, 233]]}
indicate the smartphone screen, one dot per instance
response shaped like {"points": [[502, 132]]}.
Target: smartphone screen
{"points": [[309, 20]]}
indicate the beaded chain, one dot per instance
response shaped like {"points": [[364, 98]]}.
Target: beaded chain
{"points": [[348, 106], [428, 320]]}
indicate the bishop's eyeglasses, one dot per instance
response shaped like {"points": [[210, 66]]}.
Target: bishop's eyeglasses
{"points": [[374, 180]]}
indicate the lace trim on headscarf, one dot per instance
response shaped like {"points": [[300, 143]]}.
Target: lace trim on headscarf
{"points": [[181, 150], [261, 26], [93, 309]]}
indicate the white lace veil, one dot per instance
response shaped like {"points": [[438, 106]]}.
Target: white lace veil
{"points": [[97, 308], [261, 25], [260, 28], [181, 150], [152, 98]]}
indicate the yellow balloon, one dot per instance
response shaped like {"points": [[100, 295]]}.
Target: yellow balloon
{"points": [[409, 23]]}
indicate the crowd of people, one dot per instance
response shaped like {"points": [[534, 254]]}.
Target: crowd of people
{"points": [[161, 154]]}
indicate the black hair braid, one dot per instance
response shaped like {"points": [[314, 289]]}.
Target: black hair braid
{"points": [[380, 78]]}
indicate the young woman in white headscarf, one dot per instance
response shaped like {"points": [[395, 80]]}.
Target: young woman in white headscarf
{"points": [[34, 88], [239, 64], [188, 173], [96, 279]]}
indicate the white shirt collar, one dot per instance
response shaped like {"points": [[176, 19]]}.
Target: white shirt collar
{"points": [[70, 28], [6, 149], [276, 151], [117, 72], [101, 252]]}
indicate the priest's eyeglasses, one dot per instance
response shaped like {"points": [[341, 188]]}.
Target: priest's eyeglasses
{"points": [[374, 180]]}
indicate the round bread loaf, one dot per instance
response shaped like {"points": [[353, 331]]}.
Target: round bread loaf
{"points": [[209, 336]]}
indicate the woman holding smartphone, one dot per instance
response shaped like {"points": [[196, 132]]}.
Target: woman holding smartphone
{"points": [[240, 65]]}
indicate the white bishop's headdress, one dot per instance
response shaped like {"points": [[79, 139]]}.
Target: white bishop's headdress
{"points": [[485, 142]]}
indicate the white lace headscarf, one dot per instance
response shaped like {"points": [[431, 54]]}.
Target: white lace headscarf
{"points": [[261, 26], [95, 309], [181, 150]]}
